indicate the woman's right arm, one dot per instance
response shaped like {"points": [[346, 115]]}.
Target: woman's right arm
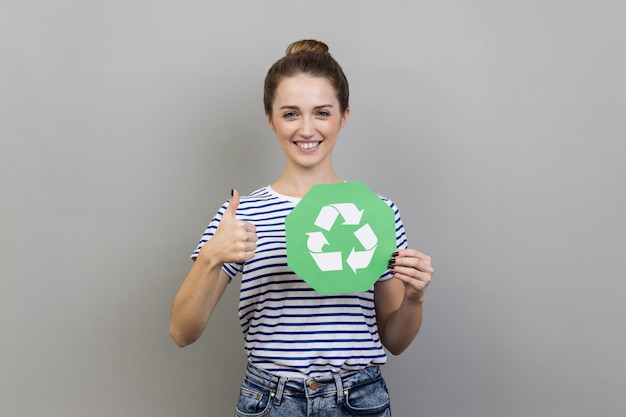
{"points": [[234, 241], [195, 301]]}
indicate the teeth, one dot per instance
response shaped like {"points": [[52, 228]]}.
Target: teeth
{"points": [[308, 145]]}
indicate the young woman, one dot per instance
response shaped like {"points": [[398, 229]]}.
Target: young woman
{"points": [[309, 354]]}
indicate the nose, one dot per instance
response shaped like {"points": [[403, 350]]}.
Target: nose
{"points": [[307, 130]]}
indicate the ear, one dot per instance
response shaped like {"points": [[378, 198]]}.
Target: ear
{"points": [[268, 117], [344, 117]]}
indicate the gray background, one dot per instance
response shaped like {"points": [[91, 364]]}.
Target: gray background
{"points": [[497, 126]]}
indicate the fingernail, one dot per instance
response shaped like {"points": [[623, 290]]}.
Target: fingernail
{"points": [[232, 192], [396, 254], [392, 261]]}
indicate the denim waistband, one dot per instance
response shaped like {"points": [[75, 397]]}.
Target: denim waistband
{"points": [[313, 386]]}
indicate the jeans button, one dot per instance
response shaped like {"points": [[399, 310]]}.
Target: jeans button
{"points": [[313, 385]]}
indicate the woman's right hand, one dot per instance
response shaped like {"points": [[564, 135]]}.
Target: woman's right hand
{"points": [[234, 240]]}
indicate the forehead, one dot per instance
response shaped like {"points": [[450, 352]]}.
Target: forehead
{"points": [[302, 90]]}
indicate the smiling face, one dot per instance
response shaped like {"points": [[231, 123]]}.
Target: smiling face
{"points": [[307, 118]]}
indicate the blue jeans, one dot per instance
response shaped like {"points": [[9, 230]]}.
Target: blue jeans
{"points": [[354, 393]]}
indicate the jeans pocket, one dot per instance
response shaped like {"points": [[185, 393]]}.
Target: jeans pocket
{"points": [[371, 399], [254, 401]]}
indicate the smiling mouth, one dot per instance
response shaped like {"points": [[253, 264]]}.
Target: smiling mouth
{"points": [[308, 145]]}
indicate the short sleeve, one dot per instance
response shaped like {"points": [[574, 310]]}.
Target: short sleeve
{"points": [[401, 239]]}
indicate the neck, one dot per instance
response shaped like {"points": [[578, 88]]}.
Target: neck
{"points": [[297, 184]]}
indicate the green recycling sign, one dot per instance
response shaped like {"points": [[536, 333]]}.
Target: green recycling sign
{"points": [[340, 237]]}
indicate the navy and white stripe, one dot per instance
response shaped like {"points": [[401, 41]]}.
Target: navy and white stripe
{"points": [[290, 329]]}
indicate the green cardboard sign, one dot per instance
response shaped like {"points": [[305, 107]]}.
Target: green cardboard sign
{"points": [[340, 237]]}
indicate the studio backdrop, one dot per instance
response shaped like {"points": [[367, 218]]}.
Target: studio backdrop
{"points": [[498, 128]]}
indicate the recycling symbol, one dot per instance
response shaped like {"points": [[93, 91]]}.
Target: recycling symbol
{"points": [[332, 261], [340, 237]]}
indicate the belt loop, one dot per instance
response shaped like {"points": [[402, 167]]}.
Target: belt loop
{"points": [[279, 390], [339, 386]]}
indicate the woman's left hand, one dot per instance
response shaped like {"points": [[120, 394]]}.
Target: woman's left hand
{"points": [[414, 268]]}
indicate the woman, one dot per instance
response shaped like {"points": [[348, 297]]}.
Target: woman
{"points": [[308, 354]]}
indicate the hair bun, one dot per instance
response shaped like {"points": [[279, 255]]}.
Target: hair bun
{"points": [[307, 46]]}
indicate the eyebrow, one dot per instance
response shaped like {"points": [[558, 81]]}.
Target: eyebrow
{"points": [[314, 108]]}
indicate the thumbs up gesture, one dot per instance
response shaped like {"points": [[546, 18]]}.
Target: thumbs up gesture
{"points": [[234, 240]]}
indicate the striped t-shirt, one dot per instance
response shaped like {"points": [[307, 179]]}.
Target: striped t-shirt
{"points": [[289, 329]]}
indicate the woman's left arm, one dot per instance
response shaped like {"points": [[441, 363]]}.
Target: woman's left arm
{"points": [[399, 300]]}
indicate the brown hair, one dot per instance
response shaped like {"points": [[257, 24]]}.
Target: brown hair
{"points": [[306, 57]]}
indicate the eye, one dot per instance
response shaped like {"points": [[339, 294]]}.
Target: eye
{"points": [[290, 114], [323, 113]]}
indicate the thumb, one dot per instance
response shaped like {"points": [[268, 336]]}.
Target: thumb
{"points": [[234, 203]]}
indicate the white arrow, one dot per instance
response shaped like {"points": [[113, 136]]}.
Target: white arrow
{"points": [[361, 259], [350, 213], [366, 236], [316, 241], [327, 217], [330, 261]]}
